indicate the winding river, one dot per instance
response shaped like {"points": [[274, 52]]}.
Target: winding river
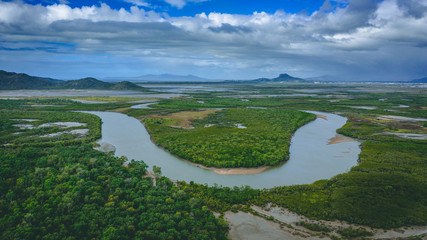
{"points": [[311, 157]]}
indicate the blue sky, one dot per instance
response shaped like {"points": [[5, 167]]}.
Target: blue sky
{"points": [[217, 39], [173, 8]]}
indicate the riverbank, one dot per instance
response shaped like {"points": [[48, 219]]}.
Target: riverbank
{"points": [[235, 171], [279, 223]]}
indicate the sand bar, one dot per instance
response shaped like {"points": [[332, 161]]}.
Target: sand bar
{"points": [[322, 116], [340, 139], [239, 171], [232, 171]]}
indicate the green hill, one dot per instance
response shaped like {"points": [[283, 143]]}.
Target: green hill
{"points": [[16, 81], [125, 85], [21, 81], [281, 78], [84, 83]]}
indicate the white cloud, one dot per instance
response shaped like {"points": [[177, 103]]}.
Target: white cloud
{"points": [[176, 3], [181, 3], [363, 35], [139, 3]]}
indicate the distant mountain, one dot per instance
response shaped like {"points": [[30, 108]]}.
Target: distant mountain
{"points": [[125, 85], [18, 81], [15, 81], [420, 80], [281, 78], [159, 78], [85, 83]]}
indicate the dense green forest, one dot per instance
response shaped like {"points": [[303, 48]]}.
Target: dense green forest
{"points": [[233, 137], [75, 192], [60, 188]]}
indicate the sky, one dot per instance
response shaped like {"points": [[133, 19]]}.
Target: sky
{"points": [[359, 40]]}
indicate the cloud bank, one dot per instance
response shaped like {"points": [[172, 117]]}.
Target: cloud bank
{"points": [[360, 40]]}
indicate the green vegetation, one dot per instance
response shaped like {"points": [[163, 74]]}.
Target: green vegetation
{"points": [[349, 232], [36, 128], [110, 99], [55, 104], [387, 189], [54, 188], [263, 138], [76, 192], [221, 199], [314, 226]]}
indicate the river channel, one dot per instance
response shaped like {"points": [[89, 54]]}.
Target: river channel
{"points": [[311, 157]]}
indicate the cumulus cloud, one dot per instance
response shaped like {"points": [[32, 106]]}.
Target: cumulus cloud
{"points": [[357, 38], [181, 3], [139, 3]]}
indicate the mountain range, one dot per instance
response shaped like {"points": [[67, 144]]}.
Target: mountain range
{"points": [[159, 78], [420, 80], [19, 81]]}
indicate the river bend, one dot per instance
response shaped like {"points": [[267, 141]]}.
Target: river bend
{"points": [[311, 158]]}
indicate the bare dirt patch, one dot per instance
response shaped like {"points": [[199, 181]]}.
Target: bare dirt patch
{"points": [[184, 119]]}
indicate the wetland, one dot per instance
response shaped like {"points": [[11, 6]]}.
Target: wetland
{"points": [[351, 160]]}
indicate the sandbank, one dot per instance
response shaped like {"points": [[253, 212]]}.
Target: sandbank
{"points": [[233, 171], [322, 116], [340, 139]]}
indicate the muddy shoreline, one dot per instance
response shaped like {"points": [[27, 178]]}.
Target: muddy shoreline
{"points": [[280, 223]]}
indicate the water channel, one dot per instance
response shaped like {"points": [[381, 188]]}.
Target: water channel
{"points": [[311, 157]]}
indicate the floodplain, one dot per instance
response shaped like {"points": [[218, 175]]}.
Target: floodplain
{"points": [[383, 189]]}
